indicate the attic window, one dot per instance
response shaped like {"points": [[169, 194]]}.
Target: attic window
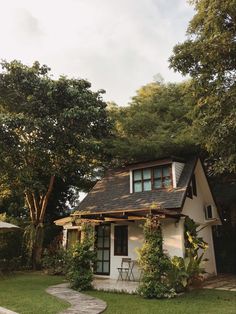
{"points": [[192, 188], [152, 178]]}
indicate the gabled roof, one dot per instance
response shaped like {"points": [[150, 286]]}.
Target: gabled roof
{"points": [[112, 193]]}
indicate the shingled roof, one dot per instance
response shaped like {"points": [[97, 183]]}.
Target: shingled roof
{"points": [[112, 193]]}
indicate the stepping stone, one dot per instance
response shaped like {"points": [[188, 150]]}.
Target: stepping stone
{"points": [[80, 302], [6, 311]]}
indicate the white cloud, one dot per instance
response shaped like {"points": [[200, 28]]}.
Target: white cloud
{"points": [[117, 45]]}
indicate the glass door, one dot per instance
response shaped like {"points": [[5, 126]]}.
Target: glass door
{"points": [[102, 245]]}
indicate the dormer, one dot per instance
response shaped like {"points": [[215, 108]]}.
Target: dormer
{"points": [[155, 175]]}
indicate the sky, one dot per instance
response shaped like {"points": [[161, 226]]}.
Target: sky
{"points": [[118, 45]]}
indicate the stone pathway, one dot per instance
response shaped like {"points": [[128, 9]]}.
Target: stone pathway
{"points": [[113, 285], [6, 311], [81, 303], [221, 282]]}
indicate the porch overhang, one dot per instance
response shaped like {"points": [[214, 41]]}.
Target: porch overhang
{"points": [[126, 215]]}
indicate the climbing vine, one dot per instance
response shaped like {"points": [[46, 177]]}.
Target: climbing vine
{"points": [[154, 263], [82, 259]]}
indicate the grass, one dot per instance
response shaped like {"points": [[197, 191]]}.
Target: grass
{"points": [[25, 293], [195, 302]]}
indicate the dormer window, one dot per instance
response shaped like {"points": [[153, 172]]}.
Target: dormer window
{"points": [[152, 178]]}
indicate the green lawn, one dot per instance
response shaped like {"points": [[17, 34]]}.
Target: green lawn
{"points": [[25, 293], [201, 301]]}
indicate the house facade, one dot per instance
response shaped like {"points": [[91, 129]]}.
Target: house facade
{"points": [[118, 205]]}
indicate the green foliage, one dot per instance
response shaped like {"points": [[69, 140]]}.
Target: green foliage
{"points": [[54, 127], [51, 131], [187, 271], [80, 272], [56, 261], [11, 247], [209, 56], [154, 264], [156, 123], [192, 241]]}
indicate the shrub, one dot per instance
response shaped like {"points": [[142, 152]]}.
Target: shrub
{"points": [[154, 263], [80, 272], [55, 259], [56, 262], [11, 250]]}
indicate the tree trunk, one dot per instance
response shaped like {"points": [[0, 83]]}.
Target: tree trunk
{"points": [[37, 247], [37, 203]]}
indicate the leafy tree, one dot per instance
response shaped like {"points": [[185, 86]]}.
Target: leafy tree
{"points": [[155, 124], [50, 131], [209, 56]]}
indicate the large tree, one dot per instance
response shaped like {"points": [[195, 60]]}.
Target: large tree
{"points": [[155, 124], [209, 56], [50, 129]]}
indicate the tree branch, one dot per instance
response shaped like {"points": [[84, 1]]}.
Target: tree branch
{"points": [[30, 204], [45, 198]]}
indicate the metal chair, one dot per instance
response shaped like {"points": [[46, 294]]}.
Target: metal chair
{"points": [[125, 268]]}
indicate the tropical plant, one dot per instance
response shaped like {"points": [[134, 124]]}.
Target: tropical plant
{"points": [[193, 243]]}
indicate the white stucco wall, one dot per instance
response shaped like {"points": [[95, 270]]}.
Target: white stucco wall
{"points": [[135, 240], [194, 208], [173, 237]]}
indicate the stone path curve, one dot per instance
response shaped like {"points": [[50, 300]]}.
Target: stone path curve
{"points": [[80, 302], [3, 310]]}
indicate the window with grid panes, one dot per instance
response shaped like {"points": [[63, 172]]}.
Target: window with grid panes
{"points": [[152, 178]]}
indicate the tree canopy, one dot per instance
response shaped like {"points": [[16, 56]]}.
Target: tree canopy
{"points": [[209, 56], [157, 123], [49, 129]]}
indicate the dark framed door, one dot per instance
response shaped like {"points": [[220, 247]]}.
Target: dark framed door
{"points": [[102, 245]]}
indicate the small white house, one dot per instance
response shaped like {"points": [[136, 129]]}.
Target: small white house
{"points": [[170, 188]]}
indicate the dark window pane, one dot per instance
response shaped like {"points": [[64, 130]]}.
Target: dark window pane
{"points": [[146, 174], [106, 267], [166, 171], [167, 182], [106, 242], [147, 185], [100, 242], [137, 175], [157, 172], [121, 240], [99, 267], [106, 255], [138, 187], [106, 231], [100, 231], [194, 185], [99, 254], [209, 212], [189, 192], [157, 184]]}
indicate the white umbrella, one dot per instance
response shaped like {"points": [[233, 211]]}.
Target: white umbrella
{"points": [[5, 226]]}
